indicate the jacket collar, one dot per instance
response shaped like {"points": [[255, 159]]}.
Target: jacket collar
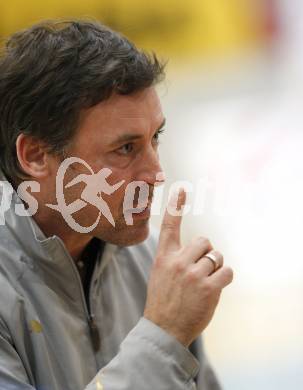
{"points": [[35, 244]]}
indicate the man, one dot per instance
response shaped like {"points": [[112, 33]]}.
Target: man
{"points": [[103, 305]]}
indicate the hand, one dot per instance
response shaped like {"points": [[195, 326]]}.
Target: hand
{"points": [[183, 290]]}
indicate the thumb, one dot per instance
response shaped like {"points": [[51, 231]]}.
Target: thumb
{"points": [[171, 223]]}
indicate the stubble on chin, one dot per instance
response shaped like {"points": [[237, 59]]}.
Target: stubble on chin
{"points": [[125, 235]]}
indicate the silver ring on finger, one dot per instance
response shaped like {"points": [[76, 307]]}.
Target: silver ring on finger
{"points": [[212, 257]]}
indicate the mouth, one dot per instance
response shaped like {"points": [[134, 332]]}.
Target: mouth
{"points": [[140, 210], [144, 214], [145, 202]]}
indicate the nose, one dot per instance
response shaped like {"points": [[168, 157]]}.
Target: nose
{"points": [[150, 170]]}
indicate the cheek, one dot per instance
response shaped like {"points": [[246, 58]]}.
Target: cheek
{"points": [[116, 200]]}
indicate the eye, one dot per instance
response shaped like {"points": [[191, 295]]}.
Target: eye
{"points": [[156, 137], [126, 149]]}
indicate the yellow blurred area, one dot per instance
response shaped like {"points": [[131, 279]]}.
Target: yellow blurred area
{"points": [[193, 28]]}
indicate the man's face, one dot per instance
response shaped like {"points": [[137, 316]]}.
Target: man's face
{"points": [[121, 134]]}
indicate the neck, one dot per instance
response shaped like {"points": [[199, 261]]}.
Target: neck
{"points": [[51, 223]]}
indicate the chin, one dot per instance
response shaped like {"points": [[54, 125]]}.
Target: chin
{"points": [[126, 235]]}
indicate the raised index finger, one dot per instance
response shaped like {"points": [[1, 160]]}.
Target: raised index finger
{"points": [[171, 223]]}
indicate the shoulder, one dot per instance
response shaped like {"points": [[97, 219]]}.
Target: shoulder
{"points": [[12, 268], [11, 301]]}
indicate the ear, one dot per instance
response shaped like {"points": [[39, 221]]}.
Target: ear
{"points": [[32, 155]]}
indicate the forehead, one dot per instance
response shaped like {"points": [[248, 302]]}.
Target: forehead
{"points": [[140, 111]]}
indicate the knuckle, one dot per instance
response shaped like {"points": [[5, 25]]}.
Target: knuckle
{"points": [[159, 260], [228, 274], [207, 244], [203, 240], [218, 254], [207, 288], [179, 267], [219, 257], [192, 275], [168, 225]]}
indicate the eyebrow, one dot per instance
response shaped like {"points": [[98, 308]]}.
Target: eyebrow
{"points": [[128, 137]]}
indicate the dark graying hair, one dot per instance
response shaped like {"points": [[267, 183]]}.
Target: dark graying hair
{"points": [[52, 70]]}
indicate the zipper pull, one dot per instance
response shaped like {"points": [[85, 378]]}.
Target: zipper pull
{"points": [[94, 332]]}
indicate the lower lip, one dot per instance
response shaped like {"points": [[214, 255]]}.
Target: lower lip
{"points": [[144, 214]]}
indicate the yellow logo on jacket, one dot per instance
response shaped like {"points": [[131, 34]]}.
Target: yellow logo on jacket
{"points": [[35, 326]]}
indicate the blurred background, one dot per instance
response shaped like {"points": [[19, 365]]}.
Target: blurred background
{"points": [[232, 99]]}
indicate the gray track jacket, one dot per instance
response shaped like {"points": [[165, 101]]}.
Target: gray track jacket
{"points": [[47, 334]]}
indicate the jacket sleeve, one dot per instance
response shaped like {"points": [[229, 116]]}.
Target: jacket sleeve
{"points": [[149, 358], [206, 378]]}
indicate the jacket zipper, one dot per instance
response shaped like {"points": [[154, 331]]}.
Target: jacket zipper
{"points": [[94, 332]]}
